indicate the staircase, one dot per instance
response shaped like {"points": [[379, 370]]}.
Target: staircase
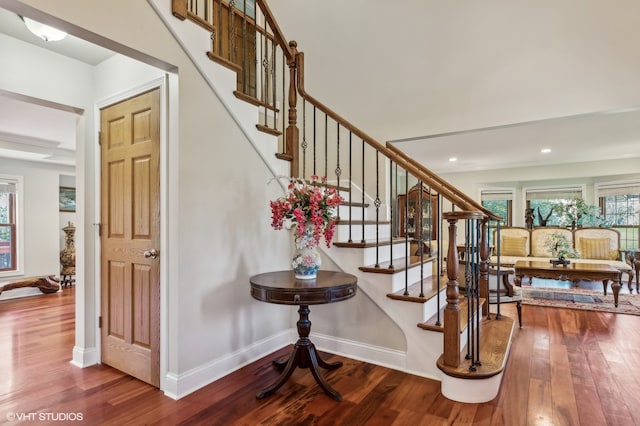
{"points": [[399, 256]]}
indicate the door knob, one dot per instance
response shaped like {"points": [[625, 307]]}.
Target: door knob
{"points": [[153, 253]]}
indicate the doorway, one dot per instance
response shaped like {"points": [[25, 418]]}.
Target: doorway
{"points": [[130, 236]]}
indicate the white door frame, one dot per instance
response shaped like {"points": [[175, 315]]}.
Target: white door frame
{"points": [[165, 255]]}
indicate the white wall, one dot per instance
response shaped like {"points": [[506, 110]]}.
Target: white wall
{"points": [[41, 224], [432, 67]]}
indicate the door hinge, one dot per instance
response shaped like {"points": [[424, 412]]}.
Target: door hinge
{"points": [[100, 230], [100, 321], [100, 138]]}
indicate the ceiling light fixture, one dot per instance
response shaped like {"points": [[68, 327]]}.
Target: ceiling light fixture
{"points": [[545, 150], [452, 159], [43, 31]]}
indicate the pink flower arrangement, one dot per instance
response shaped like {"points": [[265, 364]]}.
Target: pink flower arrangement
{"points": [[308, 205]]}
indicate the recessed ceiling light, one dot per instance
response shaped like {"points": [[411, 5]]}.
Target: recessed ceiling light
{"points": [[545, 150], [452, 159]]}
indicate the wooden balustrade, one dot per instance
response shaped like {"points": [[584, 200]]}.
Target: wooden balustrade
{"points": [[476, 285]]}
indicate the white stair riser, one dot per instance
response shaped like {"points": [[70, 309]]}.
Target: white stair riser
{"points": [[430, 307], [342, 232], [383, 253], [411, 276], [391, 283], [356, 213]]}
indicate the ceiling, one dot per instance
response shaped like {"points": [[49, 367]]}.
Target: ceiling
{"points": [[430, 75], [580, 138], [33, 129], [589, 137]]}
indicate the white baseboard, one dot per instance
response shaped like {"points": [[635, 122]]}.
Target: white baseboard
{"points": [[471, 391], [84, 357], [20, 292], [177, 386], [377, 355]]}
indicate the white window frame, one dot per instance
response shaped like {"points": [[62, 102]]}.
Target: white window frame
{"points": [[557, 188], [510, 192], [631, 186], [602, 187], [582, 188]]}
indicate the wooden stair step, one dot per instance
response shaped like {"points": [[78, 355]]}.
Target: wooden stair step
{"points": [[495, 337], [267, 129], [360, 222], [254, 101], [431, 323], [224, 62], [330, 185], [283, 156], [367, 243], [429, 290], [354, 204], [399, 264]]}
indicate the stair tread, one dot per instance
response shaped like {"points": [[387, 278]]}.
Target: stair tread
{"points": [[399, 264], [429, 290], [354, 204], [495, 338], [360, 222], [368, 243], [329, 185], [254, 101], [431, 323], [267, 129]]}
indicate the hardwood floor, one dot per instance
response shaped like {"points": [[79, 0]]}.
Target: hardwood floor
{"points": [[566, 367]]}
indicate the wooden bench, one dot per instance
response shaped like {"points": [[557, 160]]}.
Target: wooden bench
{"points": [[46, 284]]}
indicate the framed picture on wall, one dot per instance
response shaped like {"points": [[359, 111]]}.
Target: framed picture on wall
{"points": [[67, 199]]}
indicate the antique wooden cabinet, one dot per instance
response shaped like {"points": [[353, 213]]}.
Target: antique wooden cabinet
{"points": [[411, 222]]}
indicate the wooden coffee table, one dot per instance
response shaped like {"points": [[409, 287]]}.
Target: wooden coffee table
{"points": [[573, 272]]}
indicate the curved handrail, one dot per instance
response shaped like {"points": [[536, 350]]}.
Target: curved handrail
{"points": [[420, 171], [435, 178]]}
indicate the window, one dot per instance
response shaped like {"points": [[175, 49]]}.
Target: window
{"points": [[620, 204], [500, 202], [8, 225], [543, 200]]}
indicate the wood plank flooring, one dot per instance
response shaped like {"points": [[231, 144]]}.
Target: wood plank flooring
{"points": [[566, 367]]}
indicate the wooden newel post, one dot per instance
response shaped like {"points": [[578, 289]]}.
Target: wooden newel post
{"points": [[451, 354], [484, 266], [292, 133]]}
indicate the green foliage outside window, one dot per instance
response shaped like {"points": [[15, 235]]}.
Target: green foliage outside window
{"points": [[499, 207], [543, 210]]}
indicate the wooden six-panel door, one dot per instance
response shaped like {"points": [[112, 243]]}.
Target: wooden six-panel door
{"points": [[130, 236]]}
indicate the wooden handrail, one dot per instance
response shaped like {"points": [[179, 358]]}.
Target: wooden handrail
{"points": [[435, 178], [427, 176], [277, 32]]}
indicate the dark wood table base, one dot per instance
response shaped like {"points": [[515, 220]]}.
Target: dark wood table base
{"points": [[304, 355], [574, 272], [283, 288]]}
